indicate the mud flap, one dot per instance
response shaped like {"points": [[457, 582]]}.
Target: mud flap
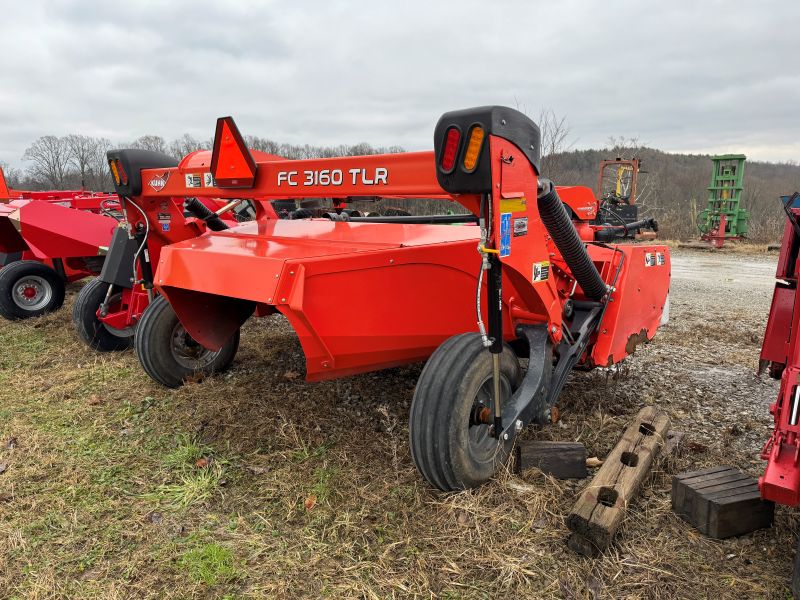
{"points": [[118, 265], [210, 319]]}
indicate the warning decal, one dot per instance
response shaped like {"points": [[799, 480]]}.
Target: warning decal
{"points": [[520, 226], [649, 259], [519, 204], [193, 180], [541, 271]]}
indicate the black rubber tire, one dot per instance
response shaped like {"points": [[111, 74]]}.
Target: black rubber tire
{"points": [[12, 273], [153, 346], [89, 328], [439, 424]]}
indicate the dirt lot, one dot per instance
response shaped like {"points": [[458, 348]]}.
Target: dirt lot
{"points": [[256, 484]]}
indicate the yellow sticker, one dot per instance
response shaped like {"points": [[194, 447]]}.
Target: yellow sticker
{"points": [[513, 204], [541, 271]]}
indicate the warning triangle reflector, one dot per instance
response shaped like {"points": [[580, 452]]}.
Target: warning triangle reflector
{"points": [[4, 193], [232, 165]]}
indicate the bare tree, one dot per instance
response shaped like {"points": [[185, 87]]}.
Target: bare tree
{"points": [[101, 175], [82, 152], [625, 147], [262, 144], [50, 156], [12, 175], [555, 142], [186, 144], [155, 143]]}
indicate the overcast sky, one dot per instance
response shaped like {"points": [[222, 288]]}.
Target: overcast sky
{"points": [[701, 76]]}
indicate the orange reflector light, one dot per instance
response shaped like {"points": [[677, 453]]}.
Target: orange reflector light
{"points": [[114, 172], [451, 140], [232, 165], [123, 177], [476, 136]]}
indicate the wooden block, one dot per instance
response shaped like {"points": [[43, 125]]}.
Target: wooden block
{"points": [[578, 543], [601, 506], [721, 502], [563, 460]]}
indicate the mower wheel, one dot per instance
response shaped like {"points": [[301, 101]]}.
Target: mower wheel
{"points": [[451, 443], [91, 330], [28, 289], [169, 354]]}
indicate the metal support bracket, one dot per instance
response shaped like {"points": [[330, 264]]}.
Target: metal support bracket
{"points": [[529, 402]]}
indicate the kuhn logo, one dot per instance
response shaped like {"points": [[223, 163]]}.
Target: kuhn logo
{"points": [[159, 181]]}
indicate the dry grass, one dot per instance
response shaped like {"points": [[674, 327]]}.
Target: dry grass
{"points": [[104, 496]]}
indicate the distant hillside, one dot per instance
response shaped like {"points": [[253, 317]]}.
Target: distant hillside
{"points": [[673, 189]]}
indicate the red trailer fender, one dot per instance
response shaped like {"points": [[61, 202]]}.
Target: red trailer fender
{"points": [[50, 230]]}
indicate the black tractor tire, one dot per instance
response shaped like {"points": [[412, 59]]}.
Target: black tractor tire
{"points": [[90, 329], [169, 355], [29, 289], [449, 449]]}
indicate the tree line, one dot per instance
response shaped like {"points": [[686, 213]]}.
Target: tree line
{"points": [[672, 187], [79, 161]]}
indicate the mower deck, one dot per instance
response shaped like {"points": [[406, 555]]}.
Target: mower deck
{"points": [[311, 270]]}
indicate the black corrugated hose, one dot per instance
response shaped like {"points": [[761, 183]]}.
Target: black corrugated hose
{"points": [[201, 211], [560, 227]]}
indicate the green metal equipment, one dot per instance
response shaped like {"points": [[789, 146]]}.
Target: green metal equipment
{"points": [[723, 219]]}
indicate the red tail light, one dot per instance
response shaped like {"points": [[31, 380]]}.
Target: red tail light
{"points": [[450, 151]]}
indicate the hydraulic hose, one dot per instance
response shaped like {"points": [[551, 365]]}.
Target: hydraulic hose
{"points": [[560, 227], [612, 232], [202, 212]]}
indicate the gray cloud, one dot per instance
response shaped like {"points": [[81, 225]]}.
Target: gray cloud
{"points": [[681, 76]]}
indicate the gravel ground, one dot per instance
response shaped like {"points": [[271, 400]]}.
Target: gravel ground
{"points": [[703, 364]]}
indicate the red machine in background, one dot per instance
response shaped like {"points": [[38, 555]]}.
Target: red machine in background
{"points": [[540, 284], [780, 354], [48, 239]]}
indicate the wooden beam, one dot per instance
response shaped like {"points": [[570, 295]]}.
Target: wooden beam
{"points": [[562, 460], [601, 507]]}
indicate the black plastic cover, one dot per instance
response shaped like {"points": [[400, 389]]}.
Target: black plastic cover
{"points": [[133, 161], [118, 266], [501, 121]]}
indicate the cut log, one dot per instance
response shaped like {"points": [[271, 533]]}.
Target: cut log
{"points": [[601, 507], [721, 502], [562, 460]]}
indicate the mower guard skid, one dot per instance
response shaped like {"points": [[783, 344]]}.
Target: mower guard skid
{"points": [[356, 304]]}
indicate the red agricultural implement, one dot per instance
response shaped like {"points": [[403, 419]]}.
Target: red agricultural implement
{"points": [[46, 240], [780, 354], [109, 308], [524, 275]]}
